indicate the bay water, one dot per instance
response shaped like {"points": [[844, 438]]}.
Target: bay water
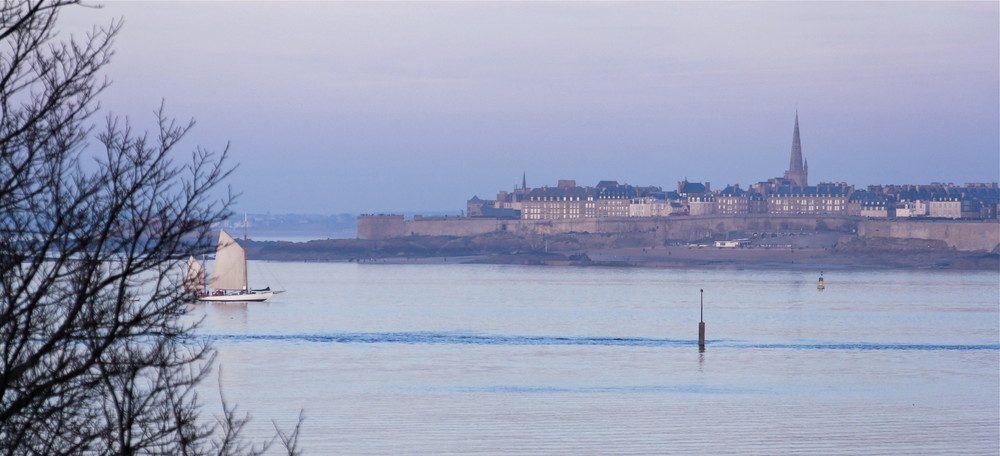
{"points": [[434, 359]]}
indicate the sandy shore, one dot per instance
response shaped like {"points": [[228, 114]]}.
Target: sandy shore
{"points": [[813, 251], [712, 257]]}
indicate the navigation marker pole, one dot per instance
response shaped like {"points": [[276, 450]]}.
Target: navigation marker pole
{"points": [[701, 324]]}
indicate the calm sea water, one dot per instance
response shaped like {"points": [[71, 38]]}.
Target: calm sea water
{"points": [[483, 359]]}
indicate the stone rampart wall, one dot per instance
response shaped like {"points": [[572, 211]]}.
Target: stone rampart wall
{"points": [[454, 226], [381, 226], [690, 228], [680, 228], [969, 235], [962, 235]]}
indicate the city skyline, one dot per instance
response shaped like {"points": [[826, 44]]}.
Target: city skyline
{"points": [[335, 107]]}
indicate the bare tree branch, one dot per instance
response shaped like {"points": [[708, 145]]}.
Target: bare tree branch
{"points": [[95, 357]]}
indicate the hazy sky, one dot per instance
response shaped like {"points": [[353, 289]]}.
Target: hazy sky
{"points": [[337, 107]]}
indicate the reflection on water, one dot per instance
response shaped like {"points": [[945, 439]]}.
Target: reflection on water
{"points": [[227, 314], [426, 359]]}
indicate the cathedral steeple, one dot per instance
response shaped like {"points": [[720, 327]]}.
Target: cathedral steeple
{"points": [[797, 172]]}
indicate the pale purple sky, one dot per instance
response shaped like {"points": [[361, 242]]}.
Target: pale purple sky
{"points": [[337, 107]]}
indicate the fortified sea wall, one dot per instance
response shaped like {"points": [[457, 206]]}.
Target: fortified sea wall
{"points": [[680, 228], [968, 235]]}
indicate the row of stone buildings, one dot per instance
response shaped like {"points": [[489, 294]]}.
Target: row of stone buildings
{"points": [[611, 199], [790, 194]]}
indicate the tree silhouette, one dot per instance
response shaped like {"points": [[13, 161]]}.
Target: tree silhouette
{"points": [[95, 357]]}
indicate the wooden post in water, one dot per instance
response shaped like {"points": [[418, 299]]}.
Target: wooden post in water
{"points": [[701, 323]]}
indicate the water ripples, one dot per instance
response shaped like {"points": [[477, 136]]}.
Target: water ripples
{"points": [[444, 338]]}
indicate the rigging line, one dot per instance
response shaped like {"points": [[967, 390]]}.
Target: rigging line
{"points": [[271, 275]]}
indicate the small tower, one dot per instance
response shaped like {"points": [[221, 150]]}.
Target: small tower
{"points": [[798, 171]]}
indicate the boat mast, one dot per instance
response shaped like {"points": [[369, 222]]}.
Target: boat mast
{"points": [[246, 279], [205, 278]]}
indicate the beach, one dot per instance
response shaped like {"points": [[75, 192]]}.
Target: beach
{"points": [[826, 251]]}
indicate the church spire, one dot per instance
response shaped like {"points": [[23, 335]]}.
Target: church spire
{"points": [[796, 161], [797, 172], [524, 180]]}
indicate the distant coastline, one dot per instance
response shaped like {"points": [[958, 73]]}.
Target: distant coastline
{"points": [[806, 250]]}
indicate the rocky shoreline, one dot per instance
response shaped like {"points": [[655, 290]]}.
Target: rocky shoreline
{"points": [[801, 250]]}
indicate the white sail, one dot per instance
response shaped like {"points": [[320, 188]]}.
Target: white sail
{"points": [[194, 278], [230, 269]]}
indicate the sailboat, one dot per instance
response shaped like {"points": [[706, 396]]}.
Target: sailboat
{"points": [[194, 278], [229, 275]]}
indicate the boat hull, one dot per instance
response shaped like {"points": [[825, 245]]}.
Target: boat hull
{"points": [[251, 297]]}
